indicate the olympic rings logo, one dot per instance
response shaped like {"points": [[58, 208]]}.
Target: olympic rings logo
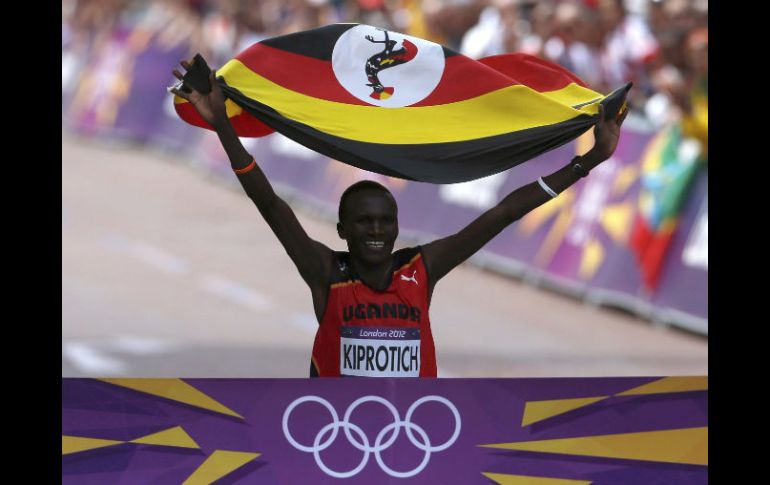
{"points": [[360, 441]]}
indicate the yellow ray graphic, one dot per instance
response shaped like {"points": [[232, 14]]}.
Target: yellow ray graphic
{"points": [[584, 142], [593, 255], [174, 389], [504, 479], [670, 384], [168, 437], [75, 444], [219, 464], [554, 238], [532, 221], [687, 446], [535, 411], [623, 180], [616, 221]]}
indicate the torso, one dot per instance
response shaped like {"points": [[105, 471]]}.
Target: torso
{"points": [[365, 332]]}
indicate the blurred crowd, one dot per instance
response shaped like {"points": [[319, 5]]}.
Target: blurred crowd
{"points": [[660, 45]]}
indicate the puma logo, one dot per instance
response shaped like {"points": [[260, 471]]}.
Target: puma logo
{"points": [[411, 278]]}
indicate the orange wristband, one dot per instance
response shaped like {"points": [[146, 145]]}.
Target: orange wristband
{"points": [[247, 168]]}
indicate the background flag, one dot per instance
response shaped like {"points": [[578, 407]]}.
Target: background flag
{"points": [[403, 106], [668, 168]]}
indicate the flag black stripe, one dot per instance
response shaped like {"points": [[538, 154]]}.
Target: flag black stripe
{"points": [[323, 41], [321, 47], [449, 162]]}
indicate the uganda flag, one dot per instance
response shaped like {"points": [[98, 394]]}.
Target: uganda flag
{"points": [[402, 106]]}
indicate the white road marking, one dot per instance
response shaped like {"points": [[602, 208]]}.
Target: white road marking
{"points": [[147, 253], [158, 258], [114, 241], [132, 344], [91, 361], [170, 264], [235, 292]]}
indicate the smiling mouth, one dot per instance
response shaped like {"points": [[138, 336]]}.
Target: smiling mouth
{"points": [[375, 244]]}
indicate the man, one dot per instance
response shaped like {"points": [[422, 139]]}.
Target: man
{"points": [[372, 303]]}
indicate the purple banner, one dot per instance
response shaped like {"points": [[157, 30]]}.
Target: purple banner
{"points": [[602, 431], [120, 90]]}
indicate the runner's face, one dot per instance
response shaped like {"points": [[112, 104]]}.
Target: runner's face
{"points": [[370, 225]]}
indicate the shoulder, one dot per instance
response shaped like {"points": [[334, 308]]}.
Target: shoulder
{"points": [[406, 256]]}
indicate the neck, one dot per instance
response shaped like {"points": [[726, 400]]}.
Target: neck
{"points": [[377, 276]]}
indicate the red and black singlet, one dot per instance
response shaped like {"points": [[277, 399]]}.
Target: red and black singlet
{"points": [[371, 333]]}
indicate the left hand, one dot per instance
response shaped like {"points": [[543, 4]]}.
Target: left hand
{"points": [[607, 131]]}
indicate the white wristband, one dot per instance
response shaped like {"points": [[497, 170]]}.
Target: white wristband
{"points": [[548, 190]]}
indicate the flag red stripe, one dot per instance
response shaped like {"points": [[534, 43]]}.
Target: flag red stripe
{"points": [[465, 78], [538, 74], [245, 123], [306, 75], [315, 77], [187, 112], [250, 126]]}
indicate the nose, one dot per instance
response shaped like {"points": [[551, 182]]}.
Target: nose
{"points": [[375, 228]]}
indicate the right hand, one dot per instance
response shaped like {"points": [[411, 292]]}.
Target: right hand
{"points": [[211, 106]]}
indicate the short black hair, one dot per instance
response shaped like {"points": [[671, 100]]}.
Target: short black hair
{"points": [[358, 187]]}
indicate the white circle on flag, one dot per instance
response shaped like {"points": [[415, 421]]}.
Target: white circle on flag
{"points": [[392, 76]]}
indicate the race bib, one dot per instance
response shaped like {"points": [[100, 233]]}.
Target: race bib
{"points": [[380, 352]]}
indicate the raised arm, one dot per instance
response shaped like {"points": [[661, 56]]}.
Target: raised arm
{"points": [[443, 255], [313, 259]]}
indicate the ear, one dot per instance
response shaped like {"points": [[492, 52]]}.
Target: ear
{"points": [[341, 231]]}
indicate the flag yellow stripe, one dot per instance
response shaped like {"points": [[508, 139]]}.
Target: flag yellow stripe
{"points": [[503, 111], [573, 95]]}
